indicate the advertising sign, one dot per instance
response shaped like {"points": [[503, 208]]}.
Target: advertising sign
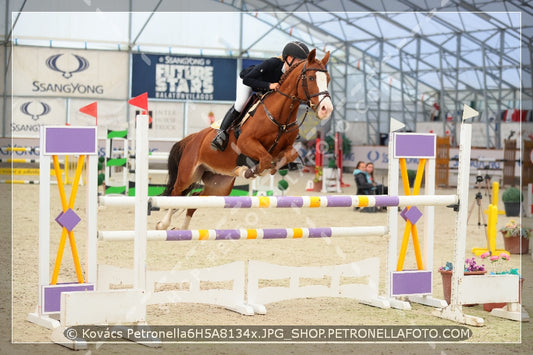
{"points": [[173, 77], [69, 73], [29, 113]]}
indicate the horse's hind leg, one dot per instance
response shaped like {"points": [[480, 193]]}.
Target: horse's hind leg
{"points": [[214, 185], [188, 218], [183, 185]]}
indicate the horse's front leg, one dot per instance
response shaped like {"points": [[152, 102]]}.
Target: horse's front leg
{"points": [[284, 157], [254, 149], [167, 219]]}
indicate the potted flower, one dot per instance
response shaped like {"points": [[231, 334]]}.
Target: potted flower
{"points": [[516, 237], [498, 266], [511, 198], [317, 181], [471, 267]]}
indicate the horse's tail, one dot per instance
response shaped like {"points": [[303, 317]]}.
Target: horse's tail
{"points": [[174, 158]]}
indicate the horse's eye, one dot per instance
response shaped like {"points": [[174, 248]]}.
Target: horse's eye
{"points": [[312, 78]]}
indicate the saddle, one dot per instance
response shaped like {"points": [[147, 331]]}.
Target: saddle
{"points": [[249, 110]]}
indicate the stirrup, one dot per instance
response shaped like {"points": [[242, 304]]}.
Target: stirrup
{"points": [[220, 141]]}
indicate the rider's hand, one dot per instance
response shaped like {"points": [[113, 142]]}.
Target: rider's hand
{"points": [[273, 86]]}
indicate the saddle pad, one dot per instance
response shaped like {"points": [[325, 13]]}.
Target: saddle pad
{"points": [[217, 123], [252, 109]]}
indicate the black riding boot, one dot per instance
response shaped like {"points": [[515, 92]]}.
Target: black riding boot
{"points": [[221, 140]]}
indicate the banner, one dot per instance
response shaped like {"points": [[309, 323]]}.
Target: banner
{"points": [[112, 115], [173, 77], [69, 73], [29, 113], [166, 121]]}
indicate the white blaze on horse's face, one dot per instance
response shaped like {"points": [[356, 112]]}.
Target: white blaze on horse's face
{"points": [[326, 106]]}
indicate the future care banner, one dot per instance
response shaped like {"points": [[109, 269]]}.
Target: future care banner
{"points": [[55, 72], [173, 77]]}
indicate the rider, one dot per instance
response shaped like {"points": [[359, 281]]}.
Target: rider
{"points": [[260, 78]]}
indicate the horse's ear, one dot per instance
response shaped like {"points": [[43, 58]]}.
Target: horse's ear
{"points": [[312, 55], [325, 59]]}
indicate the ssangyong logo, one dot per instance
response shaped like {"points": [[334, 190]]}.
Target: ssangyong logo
{"points": [[67, 65], [36, 112], [52, 63]]}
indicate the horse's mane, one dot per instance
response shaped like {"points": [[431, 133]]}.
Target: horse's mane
{"points": [[290, 70]]}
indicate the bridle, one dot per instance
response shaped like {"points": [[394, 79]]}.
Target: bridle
{"points": [[289, 127]]}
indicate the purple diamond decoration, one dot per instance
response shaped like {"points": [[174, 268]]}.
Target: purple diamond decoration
{"points": [[402, 214], [413, 215], [68, 219]]}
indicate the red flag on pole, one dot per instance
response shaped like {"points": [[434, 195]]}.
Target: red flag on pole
{"points": [[140, 101], [91, 110]]}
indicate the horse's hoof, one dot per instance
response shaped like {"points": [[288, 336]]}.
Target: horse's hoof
{"points": [[160, 226], [249, 174]]}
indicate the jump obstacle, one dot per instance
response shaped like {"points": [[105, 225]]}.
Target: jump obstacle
{"points": [[67, 174], [331, 177], [126, 160], [418, 281], [85, 307]]}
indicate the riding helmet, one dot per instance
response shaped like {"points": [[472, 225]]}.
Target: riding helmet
{"points": [[296, 50]]}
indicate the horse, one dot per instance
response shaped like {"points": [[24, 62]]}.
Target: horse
{"points": [[265, 142]]}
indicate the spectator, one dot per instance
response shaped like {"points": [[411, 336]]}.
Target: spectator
{"points": [[362, 180], [380, 188], [435, 111]]}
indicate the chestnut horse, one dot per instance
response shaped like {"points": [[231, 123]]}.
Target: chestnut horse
{"points": [[266, 139]]}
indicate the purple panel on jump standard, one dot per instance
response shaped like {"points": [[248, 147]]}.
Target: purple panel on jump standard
{"points": [[414, 145], [411, 282], [69, 140], [52, 295]]}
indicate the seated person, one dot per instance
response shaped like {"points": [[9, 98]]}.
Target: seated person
{"points": [[362, 180], [380, 188]]}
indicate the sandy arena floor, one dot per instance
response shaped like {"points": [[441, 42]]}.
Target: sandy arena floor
{"points": [[306, 252]]}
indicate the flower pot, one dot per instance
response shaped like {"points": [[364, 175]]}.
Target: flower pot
{"points": [[490, 306], [447, 283], [317, 186], [512, 209], [516, 245]]}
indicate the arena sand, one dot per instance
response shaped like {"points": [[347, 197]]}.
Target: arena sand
{"points": [[501, 334]]}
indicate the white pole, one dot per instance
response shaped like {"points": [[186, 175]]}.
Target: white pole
{"points": [[429, 215], [91, 215], [141, 201], [392, 215], [44, 219], [462, 216]]}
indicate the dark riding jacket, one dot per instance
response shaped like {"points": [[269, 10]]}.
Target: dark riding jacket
{"points": [[364, 187], [260, 76]]}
